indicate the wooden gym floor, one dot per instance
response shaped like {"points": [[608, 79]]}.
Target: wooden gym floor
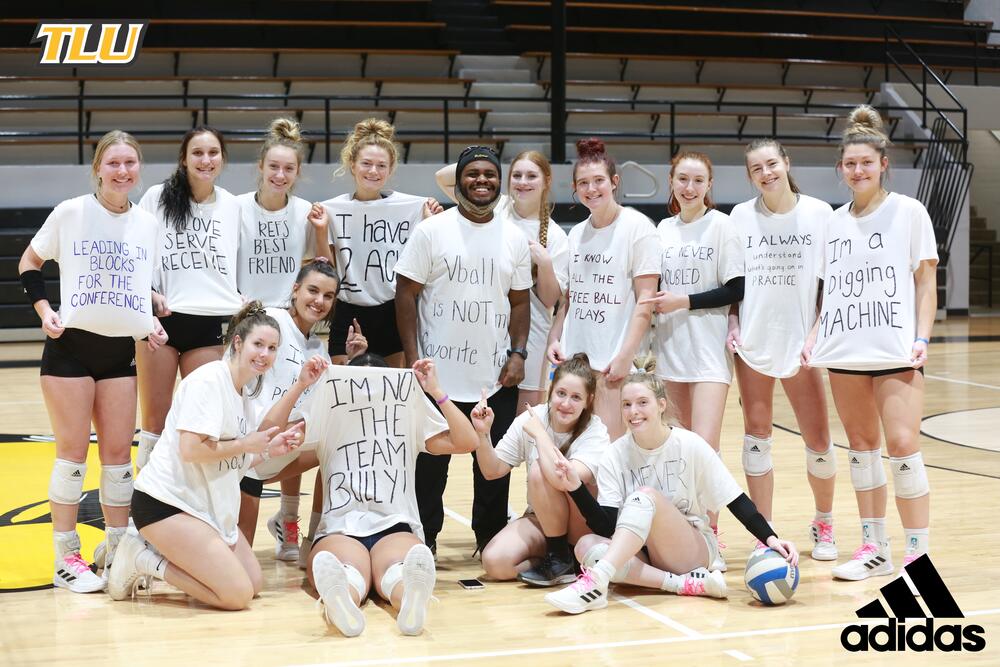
{"points": [[507, 621]]}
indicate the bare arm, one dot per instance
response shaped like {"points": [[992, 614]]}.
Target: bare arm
{"points": [[642, 314], [445, 177], [460, 438], [51, 324], [407, 292], [320, 221], [925, 279], [553, 347], [520, 318], [546, 285]]}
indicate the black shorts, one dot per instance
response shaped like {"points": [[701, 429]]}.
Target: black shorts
{"points": [[877, 374], [189, 332], [79, 353], [252, 487], [369, 541], [378, 324], [147, 510]]}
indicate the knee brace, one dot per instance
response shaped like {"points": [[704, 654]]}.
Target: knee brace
{"points": [[596, 553], [822, 464], [147, 441], [757, 456], [355, 580], [393, 575], [66, 483], [909, 477], [867, 472], [636, 515], [116, 485]]}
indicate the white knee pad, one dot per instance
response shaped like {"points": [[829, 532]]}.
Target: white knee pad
{"points": [[147, 441], [636, 515], [596, 553], [355, 579], [822, 464], [909, 477], [66, 483], [757, 456], [116, 485], [393, 575], [867, 472]]}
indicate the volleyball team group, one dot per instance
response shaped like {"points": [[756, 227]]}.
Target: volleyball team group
{"points": [[600, 359]]}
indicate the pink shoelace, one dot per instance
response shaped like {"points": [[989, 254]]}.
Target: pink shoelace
{"points": [[584, 582], [865, 551], [824, 531], [76, 563], [693, 586], [909, 559], [291, 531], [718, 538]]}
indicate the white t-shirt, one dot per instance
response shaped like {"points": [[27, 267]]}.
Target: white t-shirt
{"points": [[106, 264], [206, 403], [869, 312], [467, 270], [368, 425], [602, 264], [197, 267], [294, 351], [517, 447], [536, 367], [369, 237], [272, 247], [696, 257], [784, 256], [684, 468]]}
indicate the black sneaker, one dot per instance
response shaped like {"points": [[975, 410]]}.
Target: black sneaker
{"points": [[552, 571]]}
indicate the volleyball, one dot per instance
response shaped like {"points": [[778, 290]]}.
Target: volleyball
{"points": [[770, 578]]}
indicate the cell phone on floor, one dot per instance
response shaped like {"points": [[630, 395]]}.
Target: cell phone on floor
{"points": [[471, 584]]}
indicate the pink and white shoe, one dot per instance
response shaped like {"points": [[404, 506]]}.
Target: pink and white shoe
{"points": [[286, 536], [73, 573], [868, 560], [704, 583], [824, 546], [582, 595]]}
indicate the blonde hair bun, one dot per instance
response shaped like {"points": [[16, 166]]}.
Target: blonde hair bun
{"points": [[864, 117], [285, 128]]}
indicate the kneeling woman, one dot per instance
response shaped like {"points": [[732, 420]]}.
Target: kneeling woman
{"points": [[369, 425], [187, 497], [655, 535], [568, 425]]}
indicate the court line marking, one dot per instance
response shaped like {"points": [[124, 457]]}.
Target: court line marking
{"points": [[739, 655], [717, 636], [966, 382], [457, 517]]}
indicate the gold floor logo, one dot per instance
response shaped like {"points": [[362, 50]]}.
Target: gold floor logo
{"points": [[78, 43]]}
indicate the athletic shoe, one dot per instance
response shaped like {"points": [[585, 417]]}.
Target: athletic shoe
{"points": [[419, 576], [72, 572], [824, 546], [704, 582], [551, 571], [286, 534], [868, 561], [304, 550], [719, 564], [124, 571], [100, 554], [335, 594], [906, 577], [582, 595]]}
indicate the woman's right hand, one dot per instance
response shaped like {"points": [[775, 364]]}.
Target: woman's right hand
{"points": [[482, 416], [555, 354], [52, 325], [160, 308], [257, 442], [566, 477]]}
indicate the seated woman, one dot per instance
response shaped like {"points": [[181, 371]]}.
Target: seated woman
{"points": [[187, 496], [369, 425], [656, 485], [552, 522]]}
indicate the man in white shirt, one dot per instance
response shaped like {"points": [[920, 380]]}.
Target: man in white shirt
{"points": [[462, 286]]}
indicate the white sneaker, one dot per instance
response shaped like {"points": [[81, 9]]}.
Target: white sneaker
{"points": [[100, 554], [582, 595], [286, 534], [73, 573], [824, 546], [867, 561], [719, 564], [335, 594], [124, 570], [304, 550], [419, 575], [703, 582]]}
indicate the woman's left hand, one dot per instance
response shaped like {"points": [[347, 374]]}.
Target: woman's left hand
{"points": [[539, 253], [533, 426], [356, 344], [286, 441], [918, 354], [666, 302], [157, 337], [617, 370], [426, 374], [785, 548], [432, 207], [312, 369], [318, 217]]}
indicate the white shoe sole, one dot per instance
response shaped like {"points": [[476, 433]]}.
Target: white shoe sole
{"points": [[557, 602], [419, 576], [856, 574], [715, 585], [824, 556], [95, 586], [338, 605], [123, 572]]}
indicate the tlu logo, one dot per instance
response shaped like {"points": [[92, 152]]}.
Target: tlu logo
{"points": [[896, 636], [55, 35]]}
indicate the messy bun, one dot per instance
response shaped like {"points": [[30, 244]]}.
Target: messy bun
{"points": [[283, 132], [592, 150], [864, 126], [368, 132], [250, 316]]}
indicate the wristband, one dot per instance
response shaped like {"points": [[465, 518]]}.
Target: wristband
{"points": [[925, 341], [34, 285], [518, 350], [442, 400]]}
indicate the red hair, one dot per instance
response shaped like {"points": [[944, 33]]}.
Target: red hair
{"points": [[590, 151], [674, 206]]}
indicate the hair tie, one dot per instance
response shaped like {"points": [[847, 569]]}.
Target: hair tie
{"points": [[321, 260], [641, 371], [257, 309]]}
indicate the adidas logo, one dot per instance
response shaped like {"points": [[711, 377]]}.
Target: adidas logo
{"points": [[755, 449], [854, 459], [590, 595], [76, 473], [896, 635], [820, 460], [127, 475], [904, 468]]}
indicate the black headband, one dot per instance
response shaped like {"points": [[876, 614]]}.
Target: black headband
{"points": [[473, 153]]}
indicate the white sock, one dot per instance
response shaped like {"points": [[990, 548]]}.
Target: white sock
{"points": [[873, 531], [112, 536], [313, 524], [289, 507], [918, 541], [65, 543], [602, 572], [825, 517], [672, 583], [151, 564]]}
